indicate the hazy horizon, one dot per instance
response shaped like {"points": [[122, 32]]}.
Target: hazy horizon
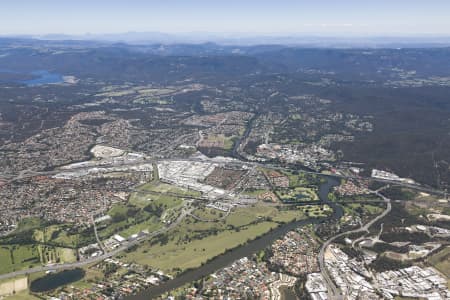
{"points": [[349, 18]]}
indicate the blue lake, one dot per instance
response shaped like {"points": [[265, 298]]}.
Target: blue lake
{"points": [[40, 77], [52, 281], [44, 77]]}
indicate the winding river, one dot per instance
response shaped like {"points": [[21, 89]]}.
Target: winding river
{"points": [[244, 250]]}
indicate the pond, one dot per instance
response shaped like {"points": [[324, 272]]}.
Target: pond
{"points": [[43, 77], [52, 281]]}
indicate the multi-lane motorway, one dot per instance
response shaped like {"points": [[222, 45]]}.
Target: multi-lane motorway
{"points": [[114, 252], [333, 292], [127, 245]]}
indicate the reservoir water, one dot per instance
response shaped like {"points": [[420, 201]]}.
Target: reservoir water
{"points": [[39, 77], [52, 281], [43, 77]]}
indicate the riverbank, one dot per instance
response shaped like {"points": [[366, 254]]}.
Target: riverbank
{"points": [[244, 250]]}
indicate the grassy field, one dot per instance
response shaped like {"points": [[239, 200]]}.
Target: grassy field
{"points": [[316, 211], [46, 233], [301, 179], [193, 253], [441, 261], [24, 295], [57, 254], [297, 194], [194, 242], [60, 235], [5, 258], [149, 225], [50, 253], [48, 238], [144, 210], [285, 216], [142, 200], [92, 274], [211, 214], [353, 208], [226, 142], [28, 224], [247, 215], [18, 257], [127, 220], [160, 187]]}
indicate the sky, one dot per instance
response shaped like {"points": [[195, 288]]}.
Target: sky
{"points": [[276, 17]]}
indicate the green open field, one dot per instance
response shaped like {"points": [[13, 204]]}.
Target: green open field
{"points": [[355, 209], [18, 257], [316, 211], [50, 253], [226, 141], [441, 261], [145, 209], [24, 295], [127, 220], [92, 274], [301, 179], [160, 187], [190, 254], [46, 233], [244, 216], [35, 243], [194, 242], [209, 214], [56, 254], [297, 194], [142, 200], [29, 224], [63, 236]]}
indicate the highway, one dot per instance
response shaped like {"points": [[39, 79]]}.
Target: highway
{"points": [[332, 289], [91, 260], [28, 174]]}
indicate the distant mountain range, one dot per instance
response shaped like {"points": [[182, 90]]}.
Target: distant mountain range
{"points": [[143, 38]]}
